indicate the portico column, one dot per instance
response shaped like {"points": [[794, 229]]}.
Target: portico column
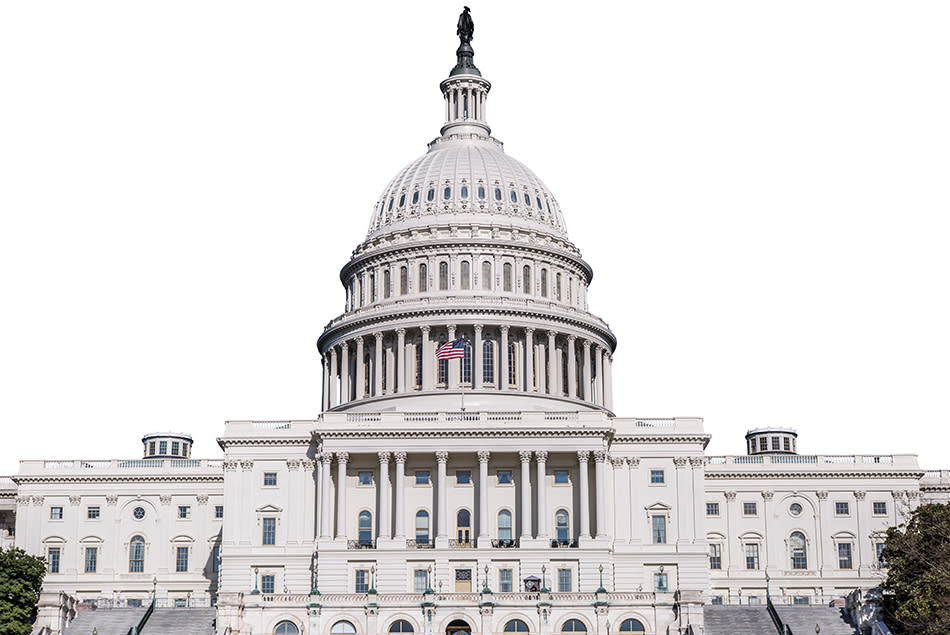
{"points": [[378, 364], [453, 382], [360, 372], [601, 484], [427, 379], [477, 357], [599, 360], [345, 372], [503, 359], [400, 360], [400, 458], [633, 469], [483, 538], [525, 494], [583, 456], [341, 460], [325, 459], [334, 379], [529, 360], [384, 525], [571, 368], [442, 457], [542, 458], [588, 396], [552, 364]]}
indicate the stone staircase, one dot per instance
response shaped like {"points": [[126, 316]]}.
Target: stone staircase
{"points": [[739, 620], [802, 619], [180, 622], [105, 621]]}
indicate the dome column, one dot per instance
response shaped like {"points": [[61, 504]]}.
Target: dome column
{"points": [[378, 364], [360, 370], [571, 368], [326, 382], [503, 359], [401, 360], [586, 387], [345, 372], [608, 381], [477, 357], [599, 360], [334, 379], [552, 363], [529, 360], [426, 358], [453, 378]]}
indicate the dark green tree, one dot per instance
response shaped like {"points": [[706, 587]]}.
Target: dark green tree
{"points": [[917, 588], [21, 577]]}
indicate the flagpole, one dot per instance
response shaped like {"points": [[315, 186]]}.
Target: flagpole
{"points": [[462, 383]]}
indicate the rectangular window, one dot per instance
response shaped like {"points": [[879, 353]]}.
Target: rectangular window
{"points": [[657, 476], [270, 479], [163, 447], [184, 511], [563, 580], [92, 512], [659, 582], [56, 513], [755, 600], [716, 600], [267, 584], [181, 603], [712, 509], [560, 477], [463, 477], [422, 477], [841, 509], [174, 448], [800, 600], [715, 556], [879, 553], [787, 444], [219, 511], [181, 559], [844, 555], [92, 558], [268, 531], [215, 558], [134, 603], [880, 509], [752, 556], [506, 580], [362, 581], [504, 477], [749, 509], [52, 560], [775, 443], [659, 530], [151, 448], [419, 581], [366, 478]]}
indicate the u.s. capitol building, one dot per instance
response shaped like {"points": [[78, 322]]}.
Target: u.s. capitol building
{"points": [[490, 494]]}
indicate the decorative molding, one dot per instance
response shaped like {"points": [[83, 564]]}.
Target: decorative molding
{"points": [[633, 461], [308, 465], [165, 499], [697, 461], [617, 461], [541, 456], [583, 456], [38, 501], [75, 500], [112, 500], [22, 500], [442, 456], [202, 499]]}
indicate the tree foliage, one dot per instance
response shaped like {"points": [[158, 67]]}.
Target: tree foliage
{"points": [[917, 589], [21, 577]]}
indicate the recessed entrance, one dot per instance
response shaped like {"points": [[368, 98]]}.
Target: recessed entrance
{"points": [[458, 627]]}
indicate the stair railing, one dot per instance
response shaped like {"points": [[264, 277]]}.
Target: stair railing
{"points": [[135, 630], [782, 627]]}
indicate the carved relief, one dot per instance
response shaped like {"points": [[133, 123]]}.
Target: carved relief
{"points": [[38, 500], [308, 465], [165, 499], [202, 499], [111, 500], [74, 500], [697, 461], [617, 461]]}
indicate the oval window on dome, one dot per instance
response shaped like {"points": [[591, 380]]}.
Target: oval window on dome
{"points": [[402, 200], [481, 192], [430, 195], [527, 199], [539, 203], [415, 197], [464, 192], [497, 193], [447, 193], [514, 196], [390, 205]]}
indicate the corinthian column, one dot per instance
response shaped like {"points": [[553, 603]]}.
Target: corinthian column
{"points": [[360, 372], [483, 515], [378, 364], [552, 364], [542, 458], [341, 459], [334, 379], [400, 458], [477, 357], [400, 360], [384, 525], [442, 457], [503, 359], [583, 456], [571, 368], [525, 494], [345, 371], [601, 483], [588, 396], [529, 360], [427, 357]]}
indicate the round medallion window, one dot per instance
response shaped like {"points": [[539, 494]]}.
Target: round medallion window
{"points": [[795, 509], [138, 513]]}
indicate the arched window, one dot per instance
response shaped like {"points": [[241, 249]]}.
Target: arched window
{"points": [[516, 626], [573, 626], [562, 525], [400, 626], [512, 369], [443, 276], [506, 276], [463, 525], [403, 280], [287, 628], [386, 284], [343, 628], [486, 275], [526, 279], [465, 370], [423, 278], [422, 526], [557, 287], [464, 191], [415, 197], [631, 626], [544, 283], [466, 274], [372, 287], [443, 371], [481, 192], [497, 193], [366, 528], [488, 362], [137, 555], [504, 525], [796, 544]]}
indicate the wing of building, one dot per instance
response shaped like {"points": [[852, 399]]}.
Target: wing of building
{"points": [[489, 488]]}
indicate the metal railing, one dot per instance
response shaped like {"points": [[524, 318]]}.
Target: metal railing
{"points": [[782, 627], [564, 544], [505, 543], [360, 544], [134, 630], [462, 544], [420, 544]]}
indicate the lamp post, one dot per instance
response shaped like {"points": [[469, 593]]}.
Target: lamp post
{"points": [[154, 587]]}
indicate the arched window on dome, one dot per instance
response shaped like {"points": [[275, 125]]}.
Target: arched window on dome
{"points": [[415, 197], [540, 207], [286, 628], [465, 268], [488, 362], [423, 278], [526, 279], [443, 276], [544, 283], [514, 197], [506, 276], [465, 369], [527, 199], [137, 555], [631, 626], [402, 200], [464, 192], [486, 275], [447, 193], [430, 195], [512, 368], [557, 287], [796, 545], [481, 192], [403, 280], [387, 283]]}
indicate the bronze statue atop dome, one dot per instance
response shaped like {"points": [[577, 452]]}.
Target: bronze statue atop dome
{"points": [[466, 26], [465, 53]]}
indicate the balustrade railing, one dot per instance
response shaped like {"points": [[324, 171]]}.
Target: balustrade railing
{"points": [[420, 544], [564, 544], [360, 544], [462, 544], [505, 543]]}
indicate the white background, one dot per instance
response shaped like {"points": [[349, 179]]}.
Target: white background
{"points": [[760, 187]]}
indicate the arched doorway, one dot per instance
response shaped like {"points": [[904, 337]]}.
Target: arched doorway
{"points": [[458, 627]]}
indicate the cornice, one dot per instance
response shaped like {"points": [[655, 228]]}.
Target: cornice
{"points": [[664, 438], [450, 433], [225, 442], [773, 474], [123, 478]]}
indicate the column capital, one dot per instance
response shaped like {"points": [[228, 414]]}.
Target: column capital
{"points": [[425, 328], [345, 346], [617, 461], [541, 456], [822, 495], [583, 456], [552, 333], [633, 461], [571, 338], [680, 461], [697, 461], [504, 328], [401, 332], [325, 457], [359, 340], [529, 331], [483, 456], [767, 495], [525, 455], [586, 345], [399, 456], [379, 336], [730, 496], [333, 353], [860, 494], [600, 456], [478, 327], [383, 456], [342, 457], [442, 456]]}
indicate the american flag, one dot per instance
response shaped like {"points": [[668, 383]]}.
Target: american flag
{"points": [[451, 350]]}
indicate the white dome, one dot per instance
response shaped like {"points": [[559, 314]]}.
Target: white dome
{"points": [[467, 178]]}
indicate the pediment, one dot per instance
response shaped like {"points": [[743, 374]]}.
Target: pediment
{"points": [[269, 509]]}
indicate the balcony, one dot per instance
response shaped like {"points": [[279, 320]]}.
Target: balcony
{"points": [[564, 544], [461, 544], [360, 544], [505, 543], [420, 544]]}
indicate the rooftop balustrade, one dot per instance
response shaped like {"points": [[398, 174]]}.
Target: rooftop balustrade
{"points": [[803, 461], [120, 465]]}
